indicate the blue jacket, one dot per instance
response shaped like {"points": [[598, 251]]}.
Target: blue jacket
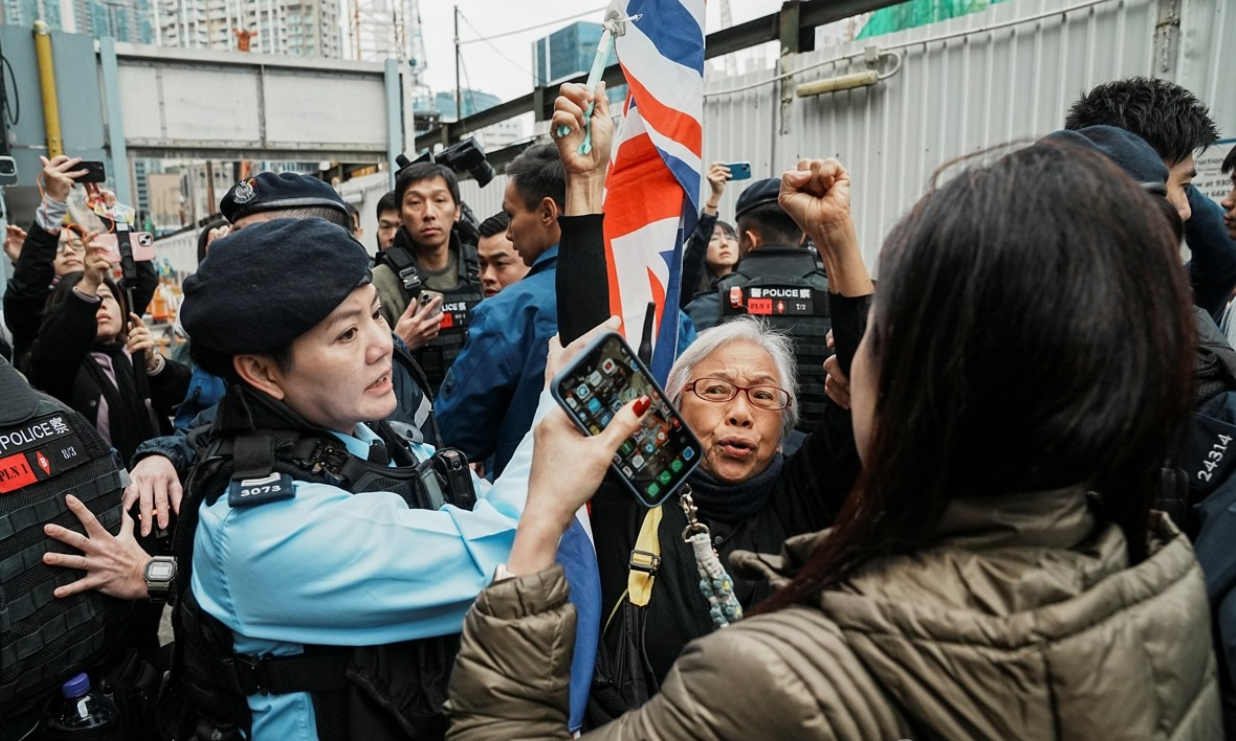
{"points": [[205, 391], [489, 396]]}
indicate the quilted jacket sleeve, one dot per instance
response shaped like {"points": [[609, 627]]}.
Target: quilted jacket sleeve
{"points": [[785, 675], [512, 677]]}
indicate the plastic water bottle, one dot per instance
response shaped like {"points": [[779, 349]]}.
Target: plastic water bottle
{"points": [[84, 708]]}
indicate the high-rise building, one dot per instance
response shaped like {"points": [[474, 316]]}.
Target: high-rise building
{"points": [[124, 20], [568, 52], [26, 12], [474, 101], [292, 27]]}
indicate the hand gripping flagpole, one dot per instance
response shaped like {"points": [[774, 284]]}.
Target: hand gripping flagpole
{"points": [[615, 24]]}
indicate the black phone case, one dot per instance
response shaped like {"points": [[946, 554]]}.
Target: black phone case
{"points": [[95, 172]]}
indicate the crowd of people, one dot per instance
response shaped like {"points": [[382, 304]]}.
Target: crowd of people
{"points": [[991, 498]]}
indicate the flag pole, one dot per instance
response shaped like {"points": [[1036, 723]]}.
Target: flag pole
{"points": [[594, 78], [614, 25]]}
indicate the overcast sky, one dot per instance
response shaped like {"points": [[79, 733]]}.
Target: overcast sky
{"points": [[505, 68]]}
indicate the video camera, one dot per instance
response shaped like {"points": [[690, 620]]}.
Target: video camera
{"points": [[465, 156]]}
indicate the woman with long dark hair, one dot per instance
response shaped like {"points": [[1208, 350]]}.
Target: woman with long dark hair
{"points": [[997, 572]]}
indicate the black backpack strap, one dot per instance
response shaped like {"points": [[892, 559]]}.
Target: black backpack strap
{"points": [[470, 265], [401, 260], [254, 455]]}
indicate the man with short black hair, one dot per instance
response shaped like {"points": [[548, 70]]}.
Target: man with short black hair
{"points": [[429, 257], [779, 279], [1165, 115], [388, 220], [489, 396], [1177, 126], [500, 264]]}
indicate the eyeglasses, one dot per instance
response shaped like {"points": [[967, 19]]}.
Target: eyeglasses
{"points": [[721, 390], [76, 248]]}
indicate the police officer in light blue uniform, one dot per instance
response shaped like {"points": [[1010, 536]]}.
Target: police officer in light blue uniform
{"points": [[297, 566]]}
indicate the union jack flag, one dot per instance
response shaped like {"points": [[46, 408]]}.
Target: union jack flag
{"points": [[653, 186]]}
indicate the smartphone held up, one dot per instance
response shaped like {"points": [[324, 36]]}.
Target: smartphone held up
{"points": [[142, 244], [654, 461]]}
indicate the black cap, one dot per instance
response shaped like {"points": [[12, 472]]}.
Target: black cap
{"points": [[268, 192], [757, 194], [269, 283], [1129, 151]]}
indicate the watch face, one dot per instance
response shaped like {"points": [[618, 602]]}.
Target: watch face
{"points": [[161, 571]]}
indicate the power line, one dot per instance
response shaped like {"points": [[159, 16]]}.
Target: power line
{"points": [[497, 51], [487, 39]]}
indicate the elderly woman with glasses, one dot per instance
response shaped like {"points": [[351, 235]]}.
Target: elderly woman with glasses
{"points": [[735, 387]]}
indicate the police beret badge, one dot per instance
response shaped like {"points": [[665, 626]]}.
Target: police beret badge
{"points": [[243, 192]]}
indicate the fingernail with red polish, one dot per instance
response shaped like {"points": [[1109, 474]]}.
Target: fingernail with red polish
{"points": [[641, 405]]}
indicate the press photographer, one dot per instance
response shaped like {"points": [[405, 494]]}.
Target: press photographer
{"points": [[429, 279]]}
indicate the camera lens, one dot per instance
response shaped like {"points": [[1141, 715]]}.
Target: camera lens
{"points": [[483, 172]]}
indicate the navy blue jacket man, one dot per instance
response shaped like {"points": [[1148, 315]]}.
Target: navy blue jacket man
{"points": [[489, 396]]}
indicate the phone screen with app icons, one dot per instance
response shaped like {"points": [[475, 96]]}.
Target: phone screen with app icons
{"points": [[605, 376]]}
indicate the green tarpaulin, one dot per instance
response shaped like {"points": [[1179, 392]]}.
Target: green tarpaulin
{"points": [[920, 13]]}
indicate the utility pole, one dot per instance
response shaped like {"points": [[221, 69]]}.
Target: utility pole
{"points": [[458, 62]]}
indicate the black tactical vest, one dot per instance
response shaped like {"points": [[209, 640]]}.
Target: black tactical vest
{"points": [[436, 356], [46, 452], [788, 289], [373, 693]]}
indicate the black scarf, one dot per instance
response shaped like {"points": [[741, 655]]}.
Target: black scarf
{"points": [[128, 417], [718, 500]]}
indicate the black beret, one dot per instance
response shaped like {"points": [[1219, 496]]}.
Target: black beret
{"points": [[757, 194], [269, 191], [1129, 151], [269, 283]]}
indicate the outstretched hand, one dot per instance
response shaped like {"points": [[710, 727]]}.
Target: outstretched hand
{"points": [[59, 177], [114, 564], [14, 238], [567, 469]]}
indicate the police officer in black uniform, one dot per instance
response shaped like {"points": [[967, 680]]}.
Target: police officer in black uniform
{"points": [[48, 631], [780, 280], [429, 279]]}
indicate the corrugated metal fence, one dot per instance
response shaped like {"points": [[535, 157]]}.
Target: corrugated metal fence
{"points": [[965, 85]]}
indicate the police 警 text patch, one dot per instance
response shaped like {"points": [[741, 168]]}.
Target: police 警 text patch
{"points": [[765, 301], [37, 450]]}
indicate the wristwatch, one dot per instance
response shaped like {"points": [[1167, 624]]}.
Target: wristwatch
{"points": [[160, 575]]}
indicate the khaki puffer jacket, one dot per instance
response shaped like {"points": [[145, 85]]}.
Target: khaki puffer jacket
{"points": [[1022, 621]]}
